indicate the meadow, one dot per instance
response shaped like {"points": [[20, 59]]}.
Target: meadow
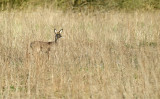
{"points": [[111, 55]]}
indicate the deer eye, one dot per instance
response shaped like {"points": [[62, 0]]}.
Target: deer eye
{"points": [[58, 35]]}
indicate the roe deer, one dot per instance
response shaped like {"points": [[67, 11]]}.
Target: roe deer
{"points": [[45, 47]]}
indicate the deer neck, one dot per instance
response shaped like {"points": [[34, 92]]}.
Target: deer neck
{"points": [[56, 39]]}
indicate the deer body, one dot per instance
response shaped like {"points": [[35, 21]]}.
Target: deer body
{"points": [[41, 46], [45, 47]]}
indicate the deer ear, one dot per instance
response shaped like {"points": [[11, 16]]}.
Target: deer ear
{"points": [[55, 31], [61, 31]]}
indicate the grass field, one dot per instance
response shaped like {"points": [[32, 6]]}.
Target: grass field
{"points": [[112, 55]]}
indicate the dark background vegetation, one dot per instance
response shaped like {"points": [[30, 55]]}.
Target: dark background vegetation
{"points": [[82, 5]]}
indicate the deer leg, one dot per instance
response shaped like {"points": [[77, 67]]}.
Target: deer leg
{"points": [[48, 52], [48, 55]]}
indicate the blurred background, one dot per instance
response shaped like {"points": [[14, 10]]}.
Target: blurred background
{"points": [[82, 5]]}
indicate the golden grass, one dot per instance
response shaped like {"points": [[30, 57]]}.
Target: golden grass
{"points": [[102, 56]]}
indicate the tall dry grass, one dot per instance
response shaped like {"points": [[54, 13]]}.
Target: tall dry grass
{"points": [[103, 56]]}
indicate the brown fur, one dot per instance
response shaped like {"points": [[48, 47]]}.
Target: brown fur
{"points": [[44, 47]]}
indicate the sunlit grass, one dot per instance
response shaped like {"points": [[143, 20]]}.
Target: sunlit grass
{"points": [[104, 55]]}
